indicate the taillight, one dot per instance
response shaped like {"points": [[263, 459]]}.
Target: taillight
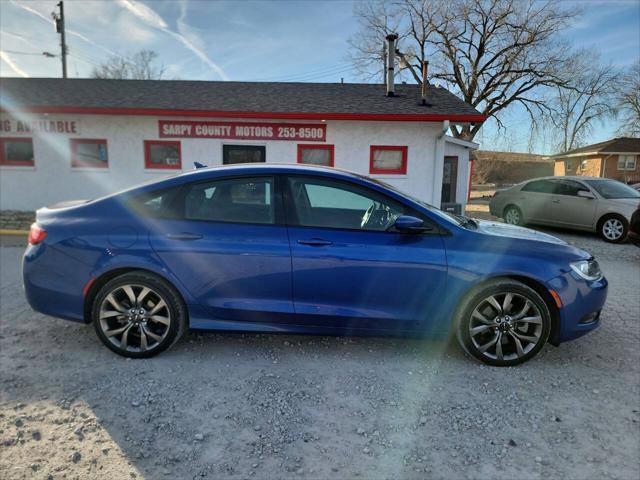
{"points": [[36, 234]]}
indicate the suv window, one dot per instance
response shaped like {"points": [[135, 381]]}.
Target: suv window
{"points": [[569, 187], [539, 186], [237, 200], [327, 203]]}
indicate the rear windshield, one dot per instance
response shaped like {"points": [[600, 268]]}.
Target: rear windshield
{"points": [[613, 189]]}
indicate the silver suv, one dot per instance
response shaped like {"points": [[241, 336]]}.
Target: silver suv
{"points": [[594, 204]]}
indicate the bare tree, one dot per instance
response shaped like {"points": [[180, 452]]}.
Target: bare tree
{"points": [[137, 66], [493, 53], [587, 100], [629, 102]]}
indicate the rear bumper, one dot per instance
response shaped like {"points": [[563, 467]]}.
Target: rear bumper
{"points": [[582, 302], [634, 238], [53, 282]]}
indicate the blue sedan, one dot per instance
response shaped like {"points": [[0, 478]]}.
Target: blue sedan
{"points": [[296, 249]]}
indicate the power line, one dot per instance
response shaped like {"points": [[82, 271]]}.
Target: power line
{"points": [[16, 52], [307, 73]]}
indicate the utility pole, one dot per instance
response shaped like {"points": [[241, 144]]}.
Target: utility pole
{"points": [[58, 18]]}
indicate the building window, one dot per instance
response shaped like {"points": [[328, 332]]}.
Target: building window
{"points": [[162, 154], [16, 152], [626, 162], [89, 153], [388, 160], [232, 154], [316, 155]]}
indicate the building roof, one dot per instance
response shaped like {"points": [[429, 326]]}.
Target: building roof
{"points": [[487, 155], [329, 101], [615, 145]]}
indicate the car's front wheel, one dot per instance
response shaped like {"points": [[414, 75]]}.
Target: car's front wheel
{"points": [[503, 323], [613, 228], [138, 315]]}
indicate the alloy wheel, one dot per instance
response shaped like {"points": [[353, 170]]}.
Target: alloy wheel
{"points": [[134, 318], [613, 229], [512, 217], [506, 326]]}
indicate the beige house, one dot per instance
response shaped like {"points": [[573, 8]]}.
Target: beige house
{"points": [[618, 158]]}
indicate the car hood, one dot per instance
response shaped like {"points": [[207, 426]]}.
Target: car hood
{"points": [[513, 231]]}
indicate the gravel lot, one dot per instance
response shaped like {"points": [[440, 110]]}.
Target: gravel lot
{"points": [[268, 406]]}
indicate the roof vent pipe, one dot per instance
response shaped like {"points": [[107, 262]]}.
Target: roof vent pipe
{"points": [[425, 68], [391, 59]]}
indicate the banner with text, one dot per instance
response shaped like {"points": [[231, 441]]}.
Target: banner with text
{"points": [[242, 130]]}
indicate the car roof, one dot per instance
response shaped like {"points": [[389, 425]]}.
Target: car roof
{"points": [[567, 177], [204, 173]]}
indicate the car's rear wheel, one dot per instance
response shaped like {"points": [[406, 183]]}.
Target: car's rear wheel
{"points": [[503, 323], [513, 215], [613, 228], [138, 315]]}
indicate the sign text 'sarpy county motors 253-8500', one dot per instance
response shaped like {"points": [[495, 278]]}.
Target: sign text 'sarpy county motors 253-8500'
{"points": [[242, 130]]}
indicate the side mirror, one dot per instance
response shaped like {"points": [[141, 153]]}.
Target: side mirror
{"points": [[586, 194], [408, 224]]}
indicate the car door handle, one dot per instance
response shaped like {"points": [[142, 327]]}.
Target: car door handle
{"points": [[315, 242], [184, 236], [555, 201]]}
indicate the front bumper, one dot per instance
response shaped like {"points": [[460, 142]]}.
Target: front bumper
{"points": [[582, 301]]}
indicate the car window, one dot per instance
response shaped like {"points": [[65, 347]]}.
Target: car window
{"points": [[569, 187], [158, 203], [538, 186], [326, 203], [238, 200], [613, 189]]}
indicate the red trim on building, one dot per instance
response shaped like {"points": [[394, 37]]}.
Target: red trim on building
{"points": [[75, 163], [396, 171], [8, 163], [314, 146], [155, 166], [388, 117]]}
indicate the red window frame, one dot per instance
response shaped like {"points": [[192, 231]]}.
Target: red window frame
{"points": [[155, 166], [75, 163], [313, 146], [393, 171], [9, 163]]}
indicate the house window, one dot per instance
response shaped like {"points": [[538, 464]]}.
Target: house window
{"points": [[626, 162], [16, 152], [316, 154], [162, 155], [388, 160], [233, 154], [89, 153]]}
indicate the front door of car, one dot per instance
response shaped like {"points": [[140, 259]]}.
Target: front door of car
{"points": [[226, 243], [351, 271], [568, 208]]}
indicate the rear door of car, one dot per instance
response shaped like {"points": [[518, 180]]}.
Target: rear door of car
{"points": [[570, 210], [355, 275], [534, 200], [226, 241]]}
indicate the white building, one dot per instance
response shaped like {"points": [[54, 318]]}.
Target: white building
{"points": [[63, 139]]}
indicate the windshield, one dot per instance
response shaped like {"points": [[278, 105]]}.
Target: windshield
{"points": [[449, 217], [613, 189]]}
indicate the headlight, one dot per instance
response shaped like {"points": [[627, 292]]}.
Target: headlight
{"points": [[587, 269]]}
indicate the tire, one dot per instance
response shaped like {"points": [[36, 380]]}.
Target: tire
{"points": [[495, 329], [613, 228], [513, 215], [138, 315]]}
